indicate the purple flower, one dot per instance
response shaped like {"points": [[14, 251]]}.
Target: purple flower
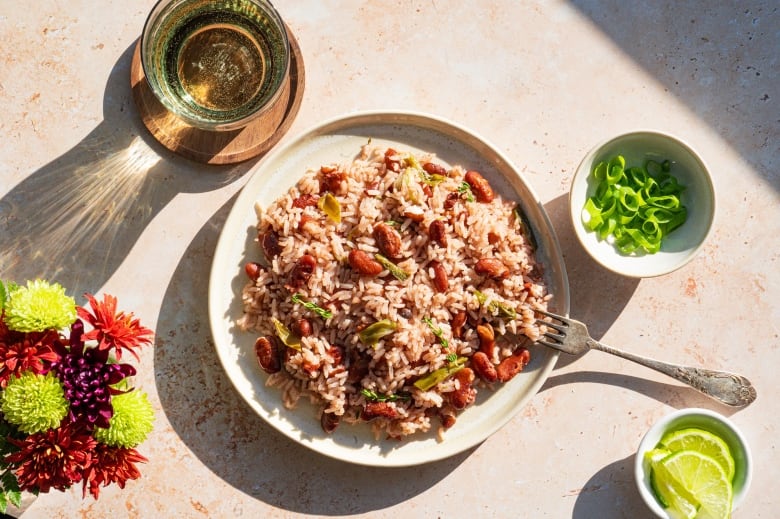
{"points": [[87, 377]]}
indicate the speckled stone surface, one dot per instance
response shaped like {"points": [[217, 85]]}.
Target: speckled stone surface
{"points": [[89, 199]]}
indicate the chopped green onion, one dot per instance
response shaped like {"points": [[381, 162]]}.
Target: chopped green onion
{"points": [[399, 273], [329, 205], [412, 162], [435, 377], [407, 186], [371, 334], [525, 229], [495, 308], [286, 336], [325, 314], [373, 396], [638, 206], [465, 189], [432, 180]]}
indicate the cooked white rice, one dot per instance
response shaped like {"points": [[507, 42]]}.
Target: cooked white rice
{"points": [[374, 194]]}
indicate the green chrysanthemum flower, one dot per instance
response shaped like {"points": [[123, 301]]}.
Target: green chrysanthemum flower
{"points": [[34, 403], [131, 422], [39, 306]]}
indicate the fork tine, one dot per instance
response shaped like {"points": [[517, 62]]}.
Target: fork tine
{"points": [[554, 336], [560, 327]]}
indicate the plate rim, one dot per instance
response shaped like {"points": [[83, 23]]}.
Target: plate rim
{"points": [[246, 199]]}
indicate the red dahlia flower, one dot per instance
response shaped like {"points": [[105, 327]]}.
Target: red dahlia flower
{"points": [[114, 329], [54, 459], [32, 352], [111, 465]]}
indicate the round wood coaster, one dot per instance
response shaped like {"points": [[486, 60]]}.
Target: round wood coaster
{"points": [[216, 147]]}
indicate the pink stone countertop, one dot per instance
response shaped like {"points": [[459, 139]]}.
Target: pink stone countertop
{"points": [[88, 199]]}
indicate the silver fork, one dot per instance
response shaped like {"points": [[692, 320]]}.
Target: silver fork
{"points": [[573, 338]]}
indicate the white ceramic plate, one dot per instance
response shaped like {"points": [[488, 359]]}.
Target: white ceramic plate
{"points": [[340, 140]]}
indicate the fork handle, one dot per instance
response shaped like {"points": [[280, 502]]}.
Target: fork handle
{"points": [[729, 388]]}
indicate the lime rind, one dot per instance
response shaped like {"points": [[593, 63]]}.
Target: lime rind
{"points": [[703, 442]]}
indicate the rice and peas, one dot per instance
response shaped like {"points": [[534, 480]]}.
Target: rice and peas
{"points": [[392, 290]]}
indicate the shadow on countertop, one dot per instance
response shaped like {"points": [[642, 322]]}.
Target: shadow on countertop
{"points": [[611, 493], [74, 220], [708, 57], [214, 422], [598, 297]]}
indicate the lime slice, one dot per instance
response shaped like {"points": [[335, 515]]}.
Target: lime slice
{"points": [[678, 503], [652, 457], [697, 478], [703, 442]]}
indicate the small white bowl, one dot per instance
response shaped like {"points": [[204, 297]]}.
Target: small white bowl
{"points": [[679, 246], [702, 419]]}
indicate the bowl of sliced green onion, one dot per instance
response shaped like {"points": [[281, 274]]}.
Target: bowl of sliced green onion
{"points": [[642, 203]]}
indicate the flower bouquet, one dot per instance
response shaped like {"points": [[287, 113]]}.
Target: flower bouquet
{"points": [[68, 411]]}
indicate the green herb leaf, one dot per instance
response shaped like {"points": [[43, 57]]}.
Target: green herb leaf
{"points": [[286, 336], [325, 314], [465, 189], [329, 205], [437, 331], [397, 272], [452, 357], [371, 334], [373, 396]]}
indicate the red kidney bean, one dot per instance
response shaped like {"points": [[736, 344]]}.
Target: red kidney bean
{"points": [[269, 241], [336, 353], [376, 409], [332, 181], [440, 280], [484, 367], [364, 264], [434, 169], [253, 270], [492, 268], [479, 186], [302, 327], [392, 161], [487, 339], [437, 232], [447, 420], [267, 353], [302, 271], [388, 240], [457, 324], [465, 394], [451, 200], [306, 200], [329, 422], [512, 365]]}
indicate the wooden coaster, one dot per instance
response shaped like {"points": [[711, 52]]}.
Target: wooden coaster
{"points": [[217, 147]]}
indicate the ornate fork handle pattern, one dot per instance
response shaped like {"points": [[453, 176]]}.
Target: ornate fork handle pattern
{"points": [[731, 389]]}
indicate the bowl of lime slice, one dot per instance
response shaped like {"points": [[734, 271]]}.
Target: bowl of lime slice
{"points": [[693, 463]]}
